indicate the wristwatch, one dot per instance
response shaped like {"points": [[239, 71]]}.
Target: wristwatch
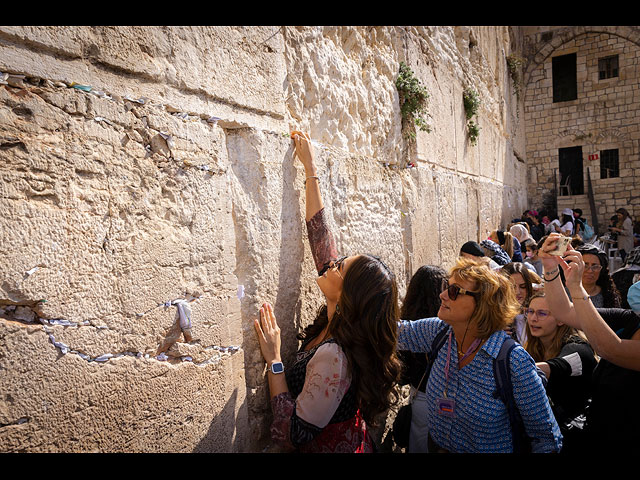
{"points": [[277, 367]]}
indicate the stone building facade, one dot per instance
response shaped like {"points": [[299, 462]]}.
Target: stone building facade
{"points": [[581, 106], [150, 203]]}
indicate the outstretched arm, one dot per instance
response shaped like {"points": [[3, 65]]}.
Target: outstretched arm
{"points": [[322, 242], [304, 151], [581, 313]]}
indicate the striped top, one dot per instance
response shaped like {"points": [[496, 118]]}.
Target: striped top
{"points": [[481, 423]]}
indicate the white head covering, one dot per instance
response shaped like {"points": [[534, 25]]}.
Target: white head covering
{"points": [[520, 232]]}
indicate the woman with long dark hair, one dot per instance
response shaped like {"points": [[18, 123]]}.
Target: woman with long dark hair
{"points": [[422, 300], [524, 282], [596, 279], [346, 368]]}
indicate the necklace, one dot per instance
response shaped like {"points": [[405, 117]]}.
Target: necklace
{"points": [[472, 348]]}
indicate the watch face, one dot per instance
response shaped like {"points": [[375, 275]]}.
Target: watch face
{"points": [[277, 367]]}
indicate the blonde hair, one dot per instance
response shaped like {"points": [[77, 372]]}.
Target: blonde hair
{"points": [[507, 246], [496, 303]]}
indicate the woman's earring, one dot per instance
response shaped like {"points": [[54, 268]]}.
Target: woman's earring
{"points": [[337, 309]]}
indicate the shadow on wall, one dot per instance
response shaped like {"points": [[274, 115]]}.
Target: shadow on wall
{"points": [[269, 255], [221, 436]]}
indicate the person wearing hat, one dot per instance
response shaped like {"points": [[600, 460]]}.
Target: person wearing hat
{"points": [[474, 251], [614, 333], [495, 251], [567, 228]]}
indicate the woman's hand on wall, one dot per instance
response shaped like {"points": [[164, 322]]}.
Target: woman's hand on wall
{"points": [[268, 334], [304, 151]]}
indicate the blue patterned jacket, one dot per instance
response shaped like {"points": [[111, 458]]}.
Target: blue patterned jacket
{"points": [[481, 424]]}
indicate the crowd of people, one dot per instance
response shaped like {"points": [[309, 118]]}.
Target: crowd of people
{"points": [[522, 346]]}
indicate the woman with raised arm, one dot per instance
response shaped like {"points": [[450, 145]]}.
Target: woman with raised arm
{"points": [[345, 371], [614, 334]]}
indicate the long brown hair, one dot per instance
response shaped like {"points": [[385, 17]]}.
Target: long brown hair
{"points": [[563, 334], [530, 277], [422, 299], [366, 327]]}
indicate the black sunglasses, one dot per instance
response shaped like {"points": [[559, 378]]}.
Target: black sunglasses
{"points": [[332, 264], [454, 290]]}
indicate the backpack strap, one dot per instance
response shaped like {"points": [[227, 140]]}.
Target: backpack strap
{"points": [[436, 345], [504, 391]]}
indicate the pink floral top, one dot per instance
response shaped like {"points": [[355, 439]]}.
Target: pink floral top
{"points": [[321, 415]]}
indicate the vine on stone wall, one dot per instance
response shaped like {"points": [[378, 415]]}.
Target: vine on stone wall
{"points": [[471, 103], [514, 63], [413, 99]]}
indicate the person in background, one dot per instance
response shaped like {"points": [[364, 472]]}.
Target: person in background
{"points": [[531, 256], [464, 414], [520, 233], [551, 223], [567, 360], [508, 243], [624, 229], [536, 227], [579, 221], [474, 251], [567, 228], [596, 279], [345, 372], [525, 283], [612, 423], [495, 252], [421, 301]]}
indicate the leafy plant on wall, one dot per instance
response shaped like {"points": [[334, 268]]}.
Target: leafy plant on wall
{"points": [[413, 100], [514, 63], [471, 104]]}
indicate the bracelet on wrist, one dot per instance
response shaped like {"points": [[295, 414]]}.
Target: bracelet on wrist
{"points": [[552, 272], [311, 176]]}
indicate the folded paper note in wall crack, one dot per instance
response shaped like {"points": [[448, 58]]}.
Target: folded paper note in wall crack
{"points": [[181, 325]]}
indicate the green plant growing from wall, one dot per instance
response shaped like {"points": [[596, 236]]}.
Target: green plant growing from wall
{"points": [[413, 99], [471, 103], [514, 63]]}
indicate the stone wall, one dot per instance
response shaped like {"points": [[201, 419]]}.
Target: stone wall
{"points": [[604, 116], [147, 172]]}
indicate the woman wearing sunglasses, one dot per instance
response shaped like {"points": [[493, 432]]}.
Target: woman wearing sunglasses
{"points": [[464, 415], [568, 361], [346, 369]]}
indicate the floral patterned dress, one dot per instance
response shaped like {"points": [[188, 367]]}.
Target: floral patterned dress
{"points": [[319, 413]]}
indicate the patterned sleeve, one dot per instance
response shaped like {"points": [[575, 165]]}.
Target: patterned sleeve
{"points": [[321, 240], [533, 404], [418, 335], [298, 421]]}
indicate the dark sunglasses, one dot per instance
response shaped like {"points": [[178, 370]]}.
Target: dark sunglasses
{"points": [[332, 264], [454, 290]]}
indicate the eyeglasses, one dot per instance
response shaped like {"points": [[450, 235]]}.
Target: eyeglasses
{"points": [[594, 268], [454, 290], [542, 314]]}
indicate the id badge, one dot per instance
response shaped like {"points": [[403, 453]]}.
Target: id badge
{"points": [[446, 407]]}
